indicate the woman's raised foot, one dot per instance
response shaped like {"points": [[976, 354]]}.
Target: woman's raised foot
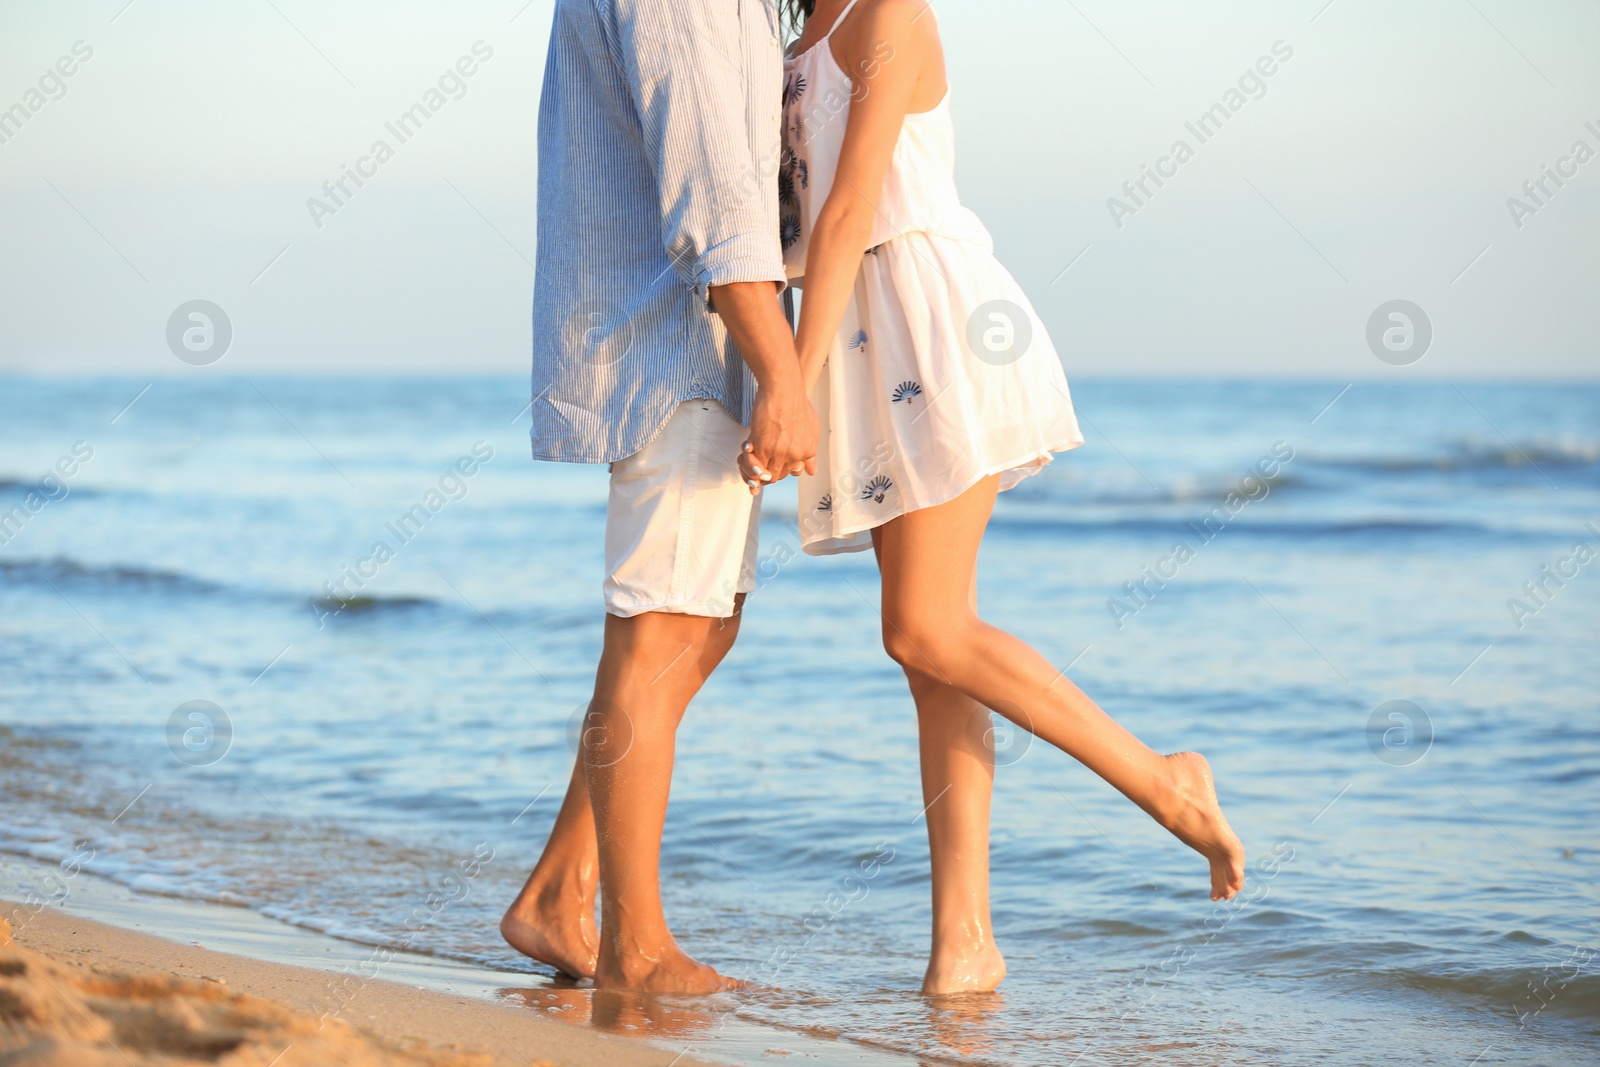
{"points": [[1198, 822]]}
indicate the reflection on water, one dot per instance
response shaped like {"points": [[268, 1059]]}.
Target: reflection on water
{"points": [[964, 1025], [674, 1019], [964, 1022]]}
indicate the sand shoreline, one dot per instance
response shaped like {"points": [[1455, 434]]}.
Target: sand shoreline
{"points": [[74, 917], [80, 992]]}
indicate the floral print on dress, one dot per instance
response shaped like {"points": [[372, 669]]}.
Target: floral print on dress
{"points": [[794, 88], [826, 503], [858, 340], [802, 172], [905, 391], [875, 489], [790, 167]]}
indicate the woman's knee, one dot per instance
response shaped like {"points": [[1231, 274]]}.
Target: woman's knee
{"points": [[920, 647]]}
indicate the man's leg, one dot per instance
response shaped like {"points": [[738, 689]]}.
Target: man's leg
{"points": [[680, 556], [651, 666], [552, 919]]}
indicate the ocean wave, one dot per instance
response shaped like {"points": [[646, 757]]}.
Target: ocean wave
{"points": [[114, 578], [64, 571], [1190, 489], [1563, 989], [18, 487], [1470, 457], [64, 853], [371, 605], [1398, 527]]}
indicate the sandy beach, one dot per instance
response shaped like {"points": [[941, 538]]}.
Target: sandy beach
{"points": [[80, 993]]}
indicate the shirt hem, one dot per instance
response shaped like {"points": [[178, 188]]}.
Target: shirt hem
{"points": [[569, 455]]}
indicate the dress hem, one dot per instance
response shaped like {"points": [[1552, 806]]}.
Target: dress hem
{"points": [[1047, 454]]}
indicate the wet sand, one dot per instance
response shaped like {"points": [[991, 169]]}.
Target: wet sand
{"points": [[81, 993]]}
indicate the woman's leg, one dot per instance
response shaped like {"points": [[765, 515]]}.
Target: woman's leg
{"points": [[957, 783], [928, 559]]}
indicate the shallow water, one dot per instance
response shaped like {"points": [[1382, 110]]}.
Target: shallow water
{"points": [[1419, 893]]}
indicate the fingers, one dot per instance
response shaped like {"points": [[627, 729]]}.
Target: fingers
{"points": [[792, 465], [759, 472], [754, 467], [751, 468]]}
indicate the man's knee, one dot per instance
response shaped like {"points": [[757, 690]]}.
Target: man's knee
{"points": [[721, 635], [730, 625]]}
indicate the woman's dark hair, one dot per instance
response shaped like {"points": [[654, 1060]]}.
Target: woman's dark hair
{"points": [[795, 13]]}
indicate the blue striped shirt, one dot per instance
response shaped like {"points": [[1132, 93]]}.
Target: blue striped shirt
{"points": [[659, 143]]}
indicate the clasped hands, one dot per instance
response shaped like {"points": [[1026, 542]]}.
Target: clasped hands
{"points": [[783, 438]]}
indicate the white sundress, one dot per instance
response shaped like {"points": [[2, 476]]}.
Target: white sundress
{"points": [[942, 374]]}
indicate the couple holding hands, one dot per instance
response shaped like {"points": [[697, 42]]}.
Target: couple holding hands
{"points": [[690, 171]]}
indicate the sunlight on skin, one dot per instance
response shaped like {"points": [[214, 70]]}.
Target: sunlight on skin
{"points": [[928, 560], [654, 664]]}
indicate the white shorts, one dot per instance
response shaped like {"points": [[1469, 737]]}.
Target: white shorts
{"points": [[681, 525]]}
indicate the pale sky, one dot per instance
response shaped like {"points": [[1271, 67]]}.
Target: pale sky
{"points": [[1374, 164]]}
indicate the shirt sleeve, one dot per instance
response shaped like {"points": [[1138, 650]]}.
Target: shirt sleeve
{"points": [[685, 62]]}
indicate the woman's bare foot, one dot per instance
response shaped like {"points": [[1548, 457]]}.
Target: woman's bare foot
{"points": [[669, 970], [1199, 823], [970, 969], [554, 929]]}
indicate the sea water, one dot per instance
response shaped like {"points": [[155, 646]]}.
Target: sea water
{"points": [[315, 646]]}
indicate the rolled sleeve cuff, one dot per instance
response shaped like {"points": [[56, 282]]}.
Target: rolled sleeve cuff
{"points": [[744, 259]]}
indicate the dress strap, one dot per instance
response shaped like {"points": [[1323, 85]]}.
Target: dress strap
{"points": [[842, 16]]}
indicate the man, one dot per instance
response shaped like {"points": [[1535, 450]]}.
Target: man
{"points": [[655, 302]]}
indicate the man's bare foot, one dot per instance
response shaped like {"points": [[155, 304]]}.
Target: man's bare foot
{"points": [[557, 931], [667, 971], [1199, 823], [972, 969]]}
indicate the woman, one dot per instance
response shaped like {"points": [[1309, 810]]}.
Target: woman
{"points": [[937, 388]]}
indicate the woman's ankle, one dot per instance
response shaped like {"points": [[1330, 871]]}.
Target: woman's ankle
{"points": [[1165, 801], [963, 937]]}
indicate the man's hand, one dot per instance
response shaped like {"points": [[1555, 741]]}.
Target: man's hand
{"points": [[783, 438], [783, 424]]}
